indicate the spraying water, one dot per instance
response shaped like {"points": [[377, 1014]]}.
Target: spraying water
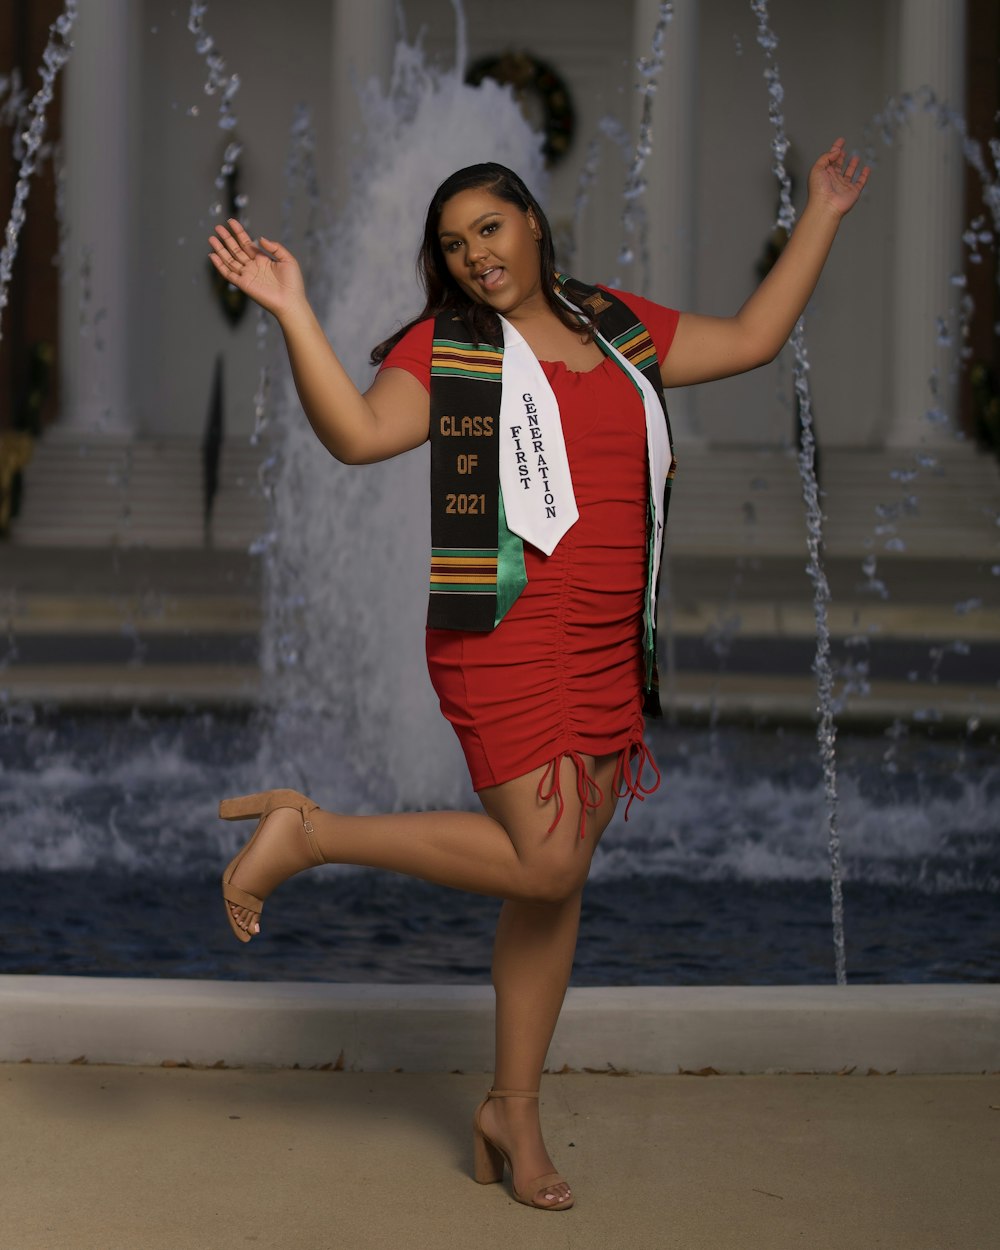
{"points": [[826, 729], [56, 54], [633, 218], [351, 706], [223, 84]]}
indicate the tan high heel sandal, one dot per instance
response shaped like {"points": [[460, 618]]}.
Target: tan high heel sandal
{"points": [[489, 1158], [246, 808]]}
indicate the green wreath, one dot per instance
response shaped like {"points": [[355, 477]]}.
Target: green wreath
{"points": [[535, 83]]}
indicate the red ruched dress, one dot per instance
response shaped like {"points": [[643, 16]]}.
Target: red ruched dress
{"points": [[561, 675]]}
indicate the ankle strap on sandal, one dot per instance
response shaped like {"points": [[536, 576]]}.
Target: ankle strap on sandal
{"points": [[512, 1093]]}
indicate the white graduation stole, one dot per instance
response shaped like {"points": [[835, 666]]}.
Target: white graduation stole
{"points": [[535, 478]]}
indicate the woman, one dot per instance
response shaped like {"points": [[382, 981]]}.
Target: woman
{"points": [[546, 495]]}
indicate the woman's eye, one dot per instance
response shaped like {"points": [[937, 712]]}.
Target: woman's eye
{"points": [[452, 246], [491, 227]]}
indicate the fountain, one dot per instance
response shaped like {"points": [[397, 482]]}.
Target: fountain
{"points": [[826, 728], [56, 55], [349, 667], [346, 692]]}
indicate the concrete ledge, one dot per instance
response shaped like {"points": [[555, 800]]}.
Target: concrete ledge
{"points": [[426, 1028], [734, 697], [104, 687], [792, 700]]}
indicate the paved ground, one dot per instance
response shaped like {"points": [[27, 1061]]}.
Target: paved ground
{"points": [[115, 1158]]}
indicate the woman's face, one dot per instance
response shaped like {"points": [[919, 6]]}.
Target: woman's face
{"points": [[491, 249]]}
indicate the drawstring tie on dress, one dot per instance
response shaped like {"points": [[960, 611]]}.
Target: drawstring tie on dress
{"points": [[624, 782], [590, 793]]}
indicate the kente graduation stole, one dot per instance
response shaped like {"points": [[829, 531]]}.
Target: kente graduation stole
{"points": [[490, 425]]}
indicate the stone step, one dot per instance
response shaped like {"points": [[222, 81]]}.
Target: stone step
{"points": [[116, 491], [748, 501]]}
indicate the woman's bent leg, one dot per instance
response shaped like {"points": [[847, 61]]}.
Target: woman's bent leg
{"points": [[469, 851], [509, 852]]}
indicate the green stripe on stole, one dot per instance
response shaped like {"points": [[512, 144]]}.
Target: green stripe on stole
{"points": [[512, 577]]}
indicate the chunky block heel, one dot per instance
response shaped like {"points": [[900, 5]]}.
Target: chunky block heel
{"points": [[261, 806], [489, 1158], [255, 805]]}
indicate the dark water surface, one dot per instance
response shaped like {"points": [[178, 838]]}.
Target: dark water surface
{"points": [[372, 927]]}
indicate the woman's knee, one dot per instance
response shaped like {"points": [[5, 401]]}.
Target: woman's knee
{"points": [[554, 878]]}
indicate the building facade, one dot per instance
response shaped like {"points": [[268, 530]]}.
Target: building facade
{"points": [[140, 323]]}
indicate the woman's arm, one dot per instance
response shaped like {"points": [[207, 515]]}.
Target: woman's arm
{"points": [[706, 348], [391, 417]]}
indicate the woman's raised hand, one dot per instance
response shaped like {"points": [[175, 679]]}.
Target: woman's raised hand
{"points": [[265, 271], [837, 183]]}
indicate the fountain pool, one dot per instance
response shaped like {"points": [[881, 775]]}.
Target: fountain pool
{"points": [[109, 866]]}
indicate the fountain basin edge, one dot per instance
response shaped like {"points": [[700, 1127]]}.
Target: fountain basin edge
{"points": [[731, 699], [944, 1028]]}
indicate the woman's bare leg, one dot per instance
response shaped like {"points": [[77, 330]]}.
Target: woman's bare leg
{"points": [[532, 962], [507, 852], [465, 850]]}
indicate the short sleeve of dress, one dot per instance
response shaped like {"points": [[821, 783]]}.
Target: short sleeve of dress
{"points": [[413, 353], [659, 321]]}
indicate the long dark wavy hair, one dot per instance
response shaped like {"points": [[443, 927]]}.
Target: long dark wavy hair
{"points": [[441, 289]]}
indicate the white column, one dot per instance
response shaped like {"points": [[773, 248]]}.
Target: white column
{"points": [[95, 315], [927, 248], [671, 175], [363, 39]]}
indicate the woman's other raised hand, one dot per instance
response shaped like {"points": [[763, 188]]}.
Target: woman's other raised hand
{"points": [[836, 182], [265, 271], [706, 348]]}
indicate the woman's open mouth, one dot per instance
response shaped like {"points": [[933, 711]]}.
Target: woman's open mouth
{"points": [[491, 278]]}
